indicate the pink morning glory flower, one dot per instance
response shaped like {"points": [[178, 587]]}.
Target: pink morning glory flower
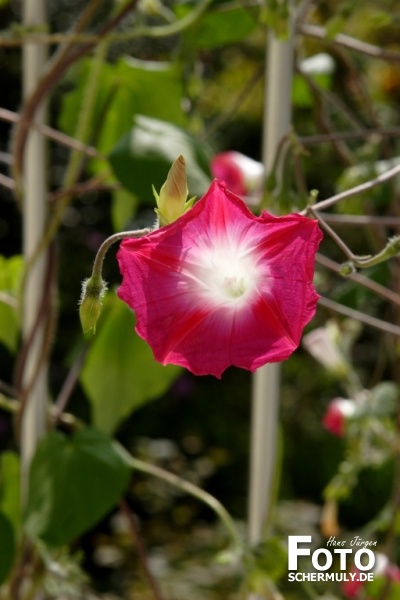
{"points": [[220, 287]]}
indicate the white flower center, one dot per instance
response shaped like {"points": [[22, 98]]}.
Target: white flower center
{"points": [[227, 275], [228, 280], [234, 287]]}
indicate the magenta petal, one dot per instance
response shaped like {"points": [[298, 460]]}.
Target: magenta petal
{"points": [[221, 287]]}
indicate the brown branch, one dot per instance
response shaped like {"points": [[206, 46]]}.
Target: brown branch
{"points": [[7, 182], [48, 81], [336, 238], [375, 287], [135, 533], [357, 315], [348, 135], [347, 41], [323, 97], [79, 189], [69, 385], [369, 220], [46, 313], [223, 118], [358, 189], [52, 134]]}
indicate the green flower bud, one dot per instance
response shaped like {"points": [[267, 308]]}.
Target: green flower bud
{"points": [[93, 290], [171, 201], [347, 269]]}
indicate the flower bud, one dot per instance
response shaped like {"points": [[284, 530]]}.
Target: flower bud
{"points": [[242, 175], [339, 411], [323, 346], [93, 290], [347, 269], [171, 201]]}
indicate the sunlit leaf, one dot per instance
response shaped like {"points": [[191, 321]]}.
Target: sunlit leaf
{"points": [[225, 25], [378, 587], [127, 88], [7, 547], [320, 68], [10, 277], [123, 208], [120, 373], [10, 487], [74, 481], [275, 14]]}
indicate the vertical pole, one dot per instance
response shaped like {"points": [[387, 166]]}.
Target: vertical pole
{"points": [[266, 383], [34, 219]]}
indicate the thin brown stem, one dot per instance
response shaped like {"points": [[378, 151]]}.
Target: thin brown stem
{"points": [[366, 282], [141, 550], [48, 81], [7, 182], [358, 189], [365, 134], [218, 123], [46, 313], [367, 220], [336, 238], [53, 134], [69, 385], [349, 42], [357, 315], [92, 185]]}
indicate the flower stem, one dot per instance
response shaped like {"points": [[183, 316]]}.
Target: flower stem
{"points": [[106, 245], [193, 490], [94, 288]]}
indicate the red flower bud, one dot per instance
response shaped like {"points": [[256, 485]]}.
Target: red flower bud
{"points": [[337, 414], [243, 175]]}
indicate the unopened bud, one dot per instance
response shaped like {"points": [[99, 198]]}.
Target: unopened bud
{"points": [[93, 290], [347, 269], [171, 201], [243, 175], [322, 346], [337, 414]]}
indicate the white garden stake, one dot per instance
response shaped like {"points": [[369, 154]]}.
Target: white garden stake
{"points": [[34, 218], [266, 383]]}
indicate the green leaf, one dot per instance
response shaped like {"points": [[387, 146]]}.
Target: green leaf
{"points": [[383, 399], [10, 277], [127, 88], [74, 481], [71, 102], [270, 558], [225, 25], [7, 553], [319, 68], [120, 373], [123, 208], [378, 588], [143, 157], [275, 14], [378, 197], [10, 488]]}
